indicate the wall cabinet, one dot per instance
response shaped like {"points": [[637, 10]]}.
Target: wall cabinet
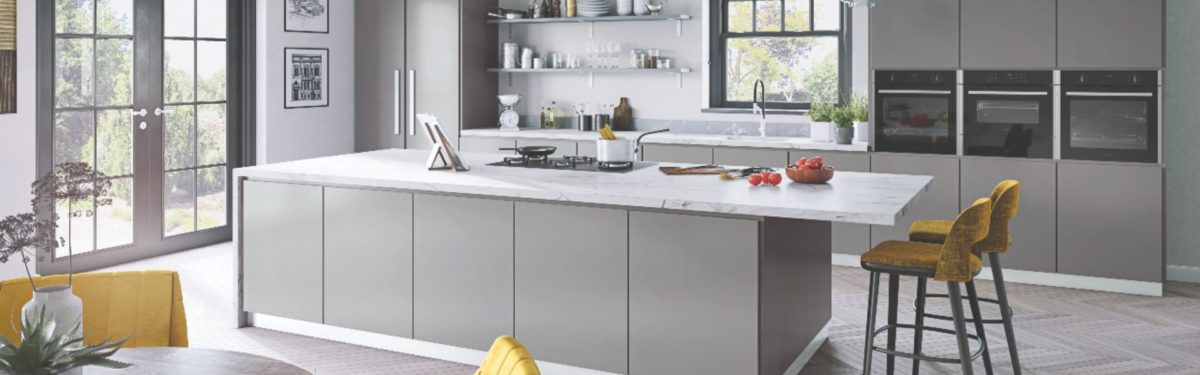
{"points": [[1009, 34], [750, 157], [915, 34], [462, 270], [940, 202], [281, 247], [852, 239], [1110, 221], [572, 284], [368, 260], [677, 154], [1108, 34], [1033, 230]]}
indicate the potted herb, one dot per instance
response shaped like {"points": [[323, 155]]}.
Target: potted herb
{"points": [[42, 351], [821, 117], [843, 117], [862, 125]]}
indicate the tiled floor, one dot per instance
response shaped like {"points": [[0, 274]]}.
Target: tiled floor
{"points": [[1060, 331]]}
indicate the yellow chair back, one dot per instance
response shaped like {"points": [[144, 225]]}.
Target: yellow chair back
{"points": [[1005, 199], [508, 357], [969, 228], [146, 306]]}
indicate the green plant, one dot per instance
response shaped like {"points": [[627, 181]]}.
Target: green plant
{"points": [[822, 112], [43, 353], [843, 116], [859, 107]]}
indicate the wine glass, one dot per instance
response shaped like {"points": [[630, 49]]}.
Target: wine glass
{"points": [[655, 6]]}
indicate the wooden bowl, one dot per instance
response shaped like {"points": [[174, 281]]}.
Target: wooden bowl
{"points": [[810, 176]]}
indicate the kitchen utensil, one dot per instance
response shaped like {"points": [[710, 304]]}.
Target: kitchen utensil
{"points": [[511, 55], [664, 63], [584, 123], [527, 58], [532, 151], [624, 7], [639, 7], [655, 6], [623, 116], [509, 120], [538, 63], [621, 150], [697, 170], [810, 176]]}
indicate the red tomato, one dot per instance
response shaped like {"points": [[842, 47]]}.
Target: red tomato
{"points": [[800, 163], [765, 175], [755, 179], [775, 179], [814, 163], [819, 160]]}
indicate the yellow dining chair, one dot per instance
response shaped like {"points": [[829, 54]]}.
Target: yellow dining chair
{"points": [[508, 357], [146, 306]]}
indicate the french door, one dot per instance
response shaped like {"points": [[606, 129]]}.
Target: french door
{"points": [[141, 91]]}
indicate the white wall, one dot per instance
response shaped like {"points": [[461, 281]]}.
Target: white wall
{"points": [[17, 151], [291, 134]]}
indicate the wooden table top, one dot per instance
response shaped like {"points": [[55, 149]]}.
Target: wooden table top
{"points": [[195, 361]]}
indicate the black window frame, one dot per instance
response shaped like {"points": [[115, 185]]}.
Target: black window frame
{"points": [[717, 43]]}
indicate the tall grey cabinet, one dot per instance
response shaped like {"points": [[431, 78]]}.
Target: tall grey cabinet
{"points": [[1008, 34], [422, 56], [915, 34], [1033, 230], [1110, 220], [1110, 34]]}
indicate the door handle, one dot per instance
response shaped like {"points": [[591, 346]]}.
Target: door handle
{"points": [[142, 113], [396, 102], [160, 111], [412, 102]]}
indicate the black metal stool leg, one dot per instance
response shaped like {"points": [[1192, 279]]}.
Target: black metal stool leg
{"points": [[960, 328], [973, 299], [893, 299], [872, 300], [1005, 311], [920, 324]]}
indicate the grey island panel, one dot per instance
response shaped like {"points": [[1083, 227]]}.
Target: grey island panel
{"points": [[281, 250], [368, 262], [463, 270], [572, 284]]}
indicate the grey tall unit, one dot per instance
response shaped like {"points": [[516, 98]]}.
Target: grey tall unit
{"points": [[462, 270], [1033, 230], [1111, 34], [572, 284], [940, 202], [424, 56], [915, 34], [1110, 221], [282, 252], [368, 247], [847, 238], [1008, 34]]}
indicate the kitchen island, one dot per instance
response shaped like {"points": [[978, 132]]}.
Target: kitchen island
{"points": [[633, 272]]}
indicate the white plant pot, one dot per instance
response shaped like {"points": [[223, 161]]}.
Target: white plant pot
{"points": [[62, 307], [862, 131], [821, 131], [624, 7]]}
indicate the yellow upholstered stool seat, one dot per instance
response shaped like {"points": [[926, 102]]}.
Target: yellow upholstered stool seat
{"points": [[508, 357], [1005, 200], [912, 255], [146, 306], [934, 231]]}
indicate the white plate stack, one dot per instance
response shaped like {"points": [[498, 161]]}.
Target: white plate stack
{"points": [[594, 8]]}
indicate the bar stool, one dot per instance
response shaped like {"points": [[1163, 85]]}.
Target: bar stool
{"points": [[951, 262], [1005, 197]]}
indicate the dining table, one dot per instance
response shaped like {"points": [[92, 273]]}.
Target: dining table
{"points": [[194, 361]]}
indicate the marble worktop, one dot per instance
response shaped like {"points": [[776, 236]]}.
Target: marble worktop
{"points": [[864, 198], [709, 140]]}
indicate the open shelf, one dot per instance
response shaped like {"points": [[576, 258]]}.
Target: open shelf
{"points": [[591, 73], [663, 17]]}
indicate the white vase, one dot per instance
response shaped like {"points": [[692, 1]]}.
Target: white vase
{"points": [[624, 7], [61, 305], [639, 7], [861, 131], [821, 131]]}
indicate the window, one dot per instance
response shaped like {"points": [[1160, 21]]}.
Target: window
{"points": [[796, 47]]}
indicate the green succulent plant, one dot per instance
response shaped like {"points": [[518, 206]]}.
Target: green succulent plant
{"points": [[822, 112], [43, 353]]}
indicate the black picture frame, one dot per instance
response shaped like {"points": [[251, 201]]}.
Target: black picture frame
{"points": [[325, 81], [286, 24]]}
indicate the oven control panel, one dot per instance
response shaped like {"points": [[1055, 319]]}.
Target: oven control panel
{"points": [[1122, 78], [1008, 78]]}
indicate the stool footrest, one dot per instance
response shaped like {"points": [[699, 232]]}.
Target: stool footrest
{"points": [[978, 351], [968, 320]]}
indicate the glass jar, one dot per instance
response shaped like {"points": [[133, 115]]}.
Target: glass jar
{"points": [[652, 62], [635, 59]]}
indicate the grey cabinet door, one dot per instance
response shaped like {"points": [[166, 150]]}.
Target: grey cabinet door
{"points": [[281, 250], [1033, 235], [1099, 34], [1110, 221], [1009, 34], [487, 145], [915, 34], [379, 74], [681, 268], [677, 154], [940, 202], [572, 285], [852, 239], [565, 148], [433, 64], [749, 157], [463, 270], [368, 260]]}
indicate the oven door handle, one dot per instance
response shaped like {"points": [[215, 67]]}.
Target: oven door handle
{"points": [[931, 92], [1009, 93], [1111, 94]]}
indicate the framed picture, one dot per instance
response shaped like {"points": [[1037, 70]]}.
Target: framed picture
{"points": [[306, 16], [8, 56], [305, 77]]}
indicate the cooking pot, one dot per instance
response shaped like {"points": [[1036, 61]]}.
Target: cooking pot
{"points": [[621, 150], [533, 151]]}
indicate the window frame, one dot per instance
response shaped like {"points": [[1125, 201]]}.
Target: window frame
{"points": [[718, 35]]}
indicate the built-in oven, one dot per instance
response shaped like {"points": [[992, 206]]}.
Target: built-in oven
{"points": [[1008, 114], [1111, 115], [915, 111]]}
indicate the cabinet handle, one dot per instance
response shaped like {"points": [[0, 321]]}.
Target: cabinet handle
{"points": [[929, 92], [396, 102], [1112, 94], [412, 102], [1009, 93]]}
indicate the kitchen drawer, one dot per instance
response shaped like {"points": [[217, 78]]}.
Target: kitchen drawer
{"points": [[749, 157], [677, 154]]}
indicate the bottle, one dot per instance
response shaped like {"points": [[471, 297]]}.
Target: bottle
{"points": [[623, 116], [570, 8], [553, 115]]}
